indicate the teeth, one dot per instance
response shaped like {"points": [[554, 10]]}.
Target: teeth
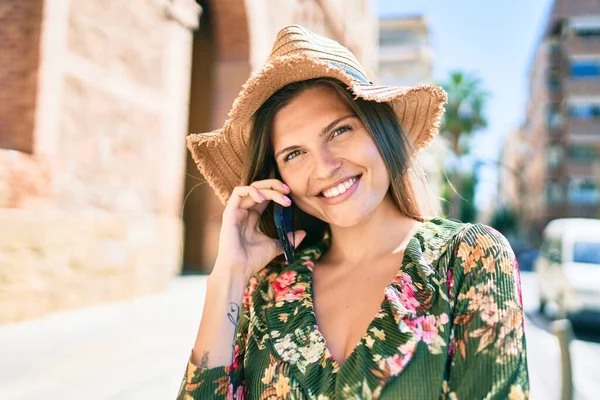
{"points": [[339, 189]]}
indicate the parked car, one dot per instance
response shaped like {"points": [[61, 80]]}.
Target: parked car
{"points": [[568, 266]]}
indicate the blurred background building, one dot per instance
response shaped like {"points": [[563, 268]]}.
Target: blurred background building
{"points": [[406, 59], [96, 101], [557, 149]]}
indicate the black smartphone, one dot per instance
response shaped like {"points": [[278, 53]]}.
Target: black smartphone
{"points": [[284, 222]]}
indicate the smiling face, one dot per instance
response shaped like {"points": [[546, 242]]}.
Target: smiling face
{"points": [[328, 158]]}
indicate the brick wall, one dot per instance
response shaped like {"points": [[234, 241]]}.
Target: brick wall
{"points": [[20, 22], [90, 203]]}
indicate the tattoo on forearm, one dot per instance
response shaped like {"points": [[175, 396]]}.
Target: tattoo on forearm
{"points": [[204, 360], [234, 318]]}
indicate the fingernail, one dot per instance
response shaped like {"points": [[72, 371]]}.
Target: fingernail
{"points": [[286, 187], [260, 196], [287, 199]]}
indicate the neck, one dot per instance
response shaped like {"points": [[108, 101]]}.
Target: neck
{"points": [[385, 232]]}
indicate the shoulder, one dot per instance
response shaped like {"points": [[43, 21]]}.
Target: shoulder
{"points": [[465, 244], [482, 253], [455, 235], [480, 239]]}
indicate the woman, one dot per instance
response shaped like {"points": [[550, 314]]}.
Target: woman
{"points": [[379, 302]]}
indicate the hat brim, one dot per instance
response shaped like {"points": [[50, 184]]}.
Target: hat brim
{"points": [[220, 154]]}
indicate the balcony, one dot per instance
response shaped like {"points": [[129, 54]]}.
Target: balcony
{"points": [[554, 172], [578, 169], [581, 86], [555, 94], [582, 131], [576, 45], [555, 134]]}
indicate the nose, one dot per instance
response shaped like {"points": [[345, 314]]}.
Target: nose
{"points": [[326, 164]]}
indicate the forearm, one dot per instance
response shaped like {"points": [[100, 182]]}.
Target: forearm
{"points": [[222, 312]]}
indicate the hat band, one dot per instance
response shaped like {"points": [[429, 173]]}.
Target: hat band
{"points": [[359, 76]]}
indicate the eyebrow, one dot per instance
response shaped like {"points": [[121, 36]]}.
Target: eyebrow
{"points": [[323, 132]]}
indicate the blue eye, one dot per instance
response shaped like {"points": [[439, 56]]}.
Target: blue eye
{"points": [[340, 130], [291, 155]]}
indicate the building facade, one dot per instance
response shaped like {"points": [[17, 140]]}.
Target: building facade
{"points": [[406, 59], [510, 179], [405, 53], [562, 128], [99, 199]]}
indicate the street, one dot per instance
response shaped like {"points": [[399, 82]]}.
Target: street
{"points": [[138, 349], [544, 354]]}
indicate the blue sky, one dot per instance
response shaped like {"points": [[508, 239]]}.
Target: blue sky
{"points": [[493, 39]]}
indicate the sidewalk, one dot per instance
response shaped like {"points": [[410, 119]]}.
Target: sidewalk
{"points": [[138, 350]]}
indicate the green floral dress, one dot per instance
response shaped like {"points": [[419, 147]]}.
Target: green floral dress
{"points": [[450, 326]]}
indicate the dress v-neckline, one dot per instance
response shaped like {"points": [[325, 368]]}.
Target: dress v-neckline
{"points": [[311, 307]]}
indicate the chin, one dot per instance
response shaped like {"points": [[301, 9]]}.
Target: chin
{"points": [[346, 219]]}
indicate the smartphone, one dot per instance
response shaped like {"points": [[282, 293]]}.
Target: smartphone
{"points": [[284, 222]]}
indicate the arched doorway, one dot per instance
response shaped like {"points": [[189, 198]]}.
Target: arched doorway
{"points": [[220, 65]]}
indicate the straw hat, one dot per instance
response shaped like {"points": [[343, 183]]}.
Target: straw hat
{"points": [[299, 54]]}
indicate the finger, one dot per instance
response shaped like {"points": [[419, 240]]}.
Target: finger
{"points": [[269, 194], [244, 197], [273, 184], [254, 198], [260, 208]]}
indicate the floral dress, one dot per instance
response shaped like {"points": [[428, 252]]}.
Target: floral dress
{"points": [[450, 326]]}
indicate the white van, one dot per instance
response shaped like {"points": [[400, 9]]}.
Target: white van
{"points": [[568, 266]]}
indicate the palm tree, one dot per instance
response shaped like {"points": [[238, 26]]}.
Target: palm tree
{"points": [[463, 117], [464, 111]]}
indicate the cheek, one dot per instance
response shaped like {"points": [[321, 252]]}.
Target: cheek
{"points": [[368, 155], [375, 162], [295, 178]]}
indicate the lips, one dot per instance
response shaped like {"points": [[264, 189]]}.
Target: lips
{"points": [[344, 196], [340, 187]]}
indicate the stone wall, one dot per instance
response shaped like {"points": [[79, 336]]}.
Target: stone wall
{"points": [[54, 260], [92, 213], [20, 23]]}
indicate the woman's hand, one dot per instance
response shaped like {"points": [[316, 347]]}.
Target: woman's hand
{"points": [[243, 248]]}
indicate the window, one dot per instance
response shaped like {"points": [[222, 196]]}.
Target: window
{"points": [[391, 38], [583, 191], [553, 79], [554, 118], [554, 49], [584, 111], [554, 192], [585, 68], [588, 32], [554, 155], [586, 252], [583, 154]]}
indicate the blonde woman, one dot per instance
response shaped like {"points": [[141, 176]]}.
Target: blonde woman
{"points": [[329, 282]]}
